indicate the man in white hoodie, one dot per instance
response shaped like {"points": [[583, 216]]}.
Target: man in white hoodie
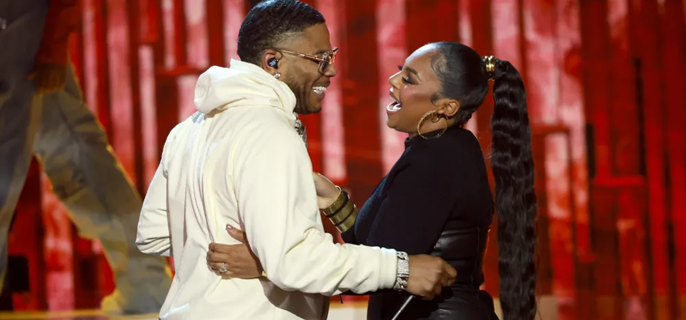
{"points": [[241, 160]]}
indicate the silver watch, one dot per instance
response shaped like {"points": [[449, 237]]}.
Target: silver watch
{"points": [[403, 271]]}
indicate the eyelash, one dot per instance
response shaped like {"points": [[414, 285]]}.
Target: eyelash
{"points": [[405, 79]]}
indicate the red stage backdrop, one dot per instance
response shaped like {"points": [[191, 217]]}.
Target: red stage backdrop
{"points": [[605, 84]]}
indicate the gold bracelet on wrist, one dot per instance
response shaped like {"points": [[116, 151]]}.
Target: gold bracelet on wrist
{"points": [[345, 219], [337, 204], [342, 213]]}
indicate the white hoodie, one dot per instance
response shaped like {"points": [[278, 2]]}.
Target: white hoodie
{"points": [[239, 161]]}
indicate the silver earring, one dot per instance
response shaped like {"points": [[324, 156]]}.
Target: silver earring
{"points": [[277, 75]]}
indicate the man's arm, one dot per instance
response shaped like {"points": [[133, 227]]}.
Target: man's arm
{"points": [[278, 206], [153, 235], [63, 18]]}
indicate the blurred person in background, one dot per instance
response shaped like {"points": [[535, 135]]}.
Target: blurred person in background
{"points": [[42, 113]]}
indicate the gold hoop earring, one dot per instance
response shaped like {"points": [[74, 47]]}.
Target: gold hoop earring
{"points": [[421, 122]]}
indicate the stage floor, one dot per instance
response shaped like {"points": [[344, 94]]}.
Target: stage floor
{"points": [[70, 315], [548, 309], [347, 311]]}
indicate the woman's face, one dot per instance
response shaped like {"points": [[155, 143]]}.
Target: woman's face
{"points": [[411, 90]]}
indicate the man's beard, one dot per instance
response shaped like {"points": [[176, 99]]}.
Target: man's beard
{"points": [[302, 97]]}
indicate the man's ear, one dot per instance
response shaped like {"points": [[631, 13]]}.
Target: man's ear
{"points": [[270, 61]]}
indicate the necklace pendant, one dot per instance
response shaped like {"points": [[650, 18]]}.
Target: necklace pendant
{"points": [[300, 129]]}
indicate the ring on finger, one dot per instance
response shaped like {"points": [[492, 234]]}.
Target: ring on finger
{"points": [[224, 268]]}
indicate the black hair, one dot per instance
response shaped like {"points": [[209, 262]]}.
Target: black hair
{"points": [[271, 22], [463, 77]]}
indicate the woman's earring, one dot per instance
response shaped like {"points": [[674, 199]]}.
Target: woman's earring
{"points": [[277, 75], [435, 117]]}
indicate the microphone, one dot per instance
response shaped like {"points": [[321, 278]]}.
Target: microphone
{"points": [[407, 302]]}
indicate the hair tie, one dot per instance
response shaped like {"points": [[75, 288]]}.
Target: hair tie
{"points": [[489, 63]]}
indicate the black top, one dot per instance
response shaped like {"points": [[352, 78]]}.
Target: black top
{"points": [[435, 200]]}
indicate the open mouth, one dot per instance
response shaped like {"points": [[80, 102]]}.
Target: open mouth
{"points": [[395, 105], [319, 89]]}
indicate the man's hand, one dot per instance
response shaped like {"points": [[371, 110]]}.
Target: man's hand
{"points": [[326, 190], [428, 276], [238, 260], [48, 77]]}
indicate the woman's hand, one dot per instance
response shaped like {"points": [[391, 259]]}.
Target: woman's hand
{"points": [[236, 260], [326, 190]]}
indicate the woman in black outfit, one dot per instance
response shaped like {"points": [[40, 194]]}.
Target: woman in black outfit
{"points": [[436, 199]]}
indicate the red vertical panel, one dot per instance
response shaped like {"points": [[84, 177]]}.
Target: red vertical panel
{"points": [[215, 32], [95, 57], [166, 91], [150, 154], [121, 111], [314, 139], [572, 111], [596, 56], [572, 116], [76, 48], [544, 271], [196, 33], [59, 252], [543, 95], [596, 295], [626, 128], [26, 240], [185, 84], [507, 31], [149, 21], [234, 11], [573, 155], [169, 30], [630, 205], [167, 111], [391, 26], [422, 23], [447, 20], [465, 37], [606, 296], [149, 39], [179, 41], [624, 112], [645, 31], [360, 92], [672, 29], [482, 42], [133, 20]]}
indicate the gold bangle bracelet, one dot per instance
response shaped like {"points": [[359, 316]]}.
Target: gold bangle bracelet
{"points": [[336, 205], [348, 221], [342, 213], [345, 218]]}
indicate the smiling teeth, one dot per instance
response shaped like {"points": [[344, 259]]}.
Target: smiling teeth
{"points": [[319, 90]]}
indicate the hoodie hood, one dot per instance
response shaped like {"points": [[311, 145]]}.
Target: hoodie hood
{"points": [[241, 85]]}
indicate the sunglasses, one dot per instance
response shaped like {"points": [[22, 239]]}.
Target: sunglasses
{"points": [[325, 60]]}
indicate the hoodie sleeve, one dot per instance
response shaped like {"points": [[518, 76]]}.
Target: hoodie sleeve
{"points": [[277, 204], [153, 235]]}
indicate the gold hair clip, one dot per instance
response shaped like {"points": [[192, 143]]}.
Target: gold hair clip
{"points": [[489, 62]]}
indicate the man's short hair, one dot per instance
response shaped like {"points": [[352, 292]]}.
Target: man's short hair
{"points": [[271, 22]]}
